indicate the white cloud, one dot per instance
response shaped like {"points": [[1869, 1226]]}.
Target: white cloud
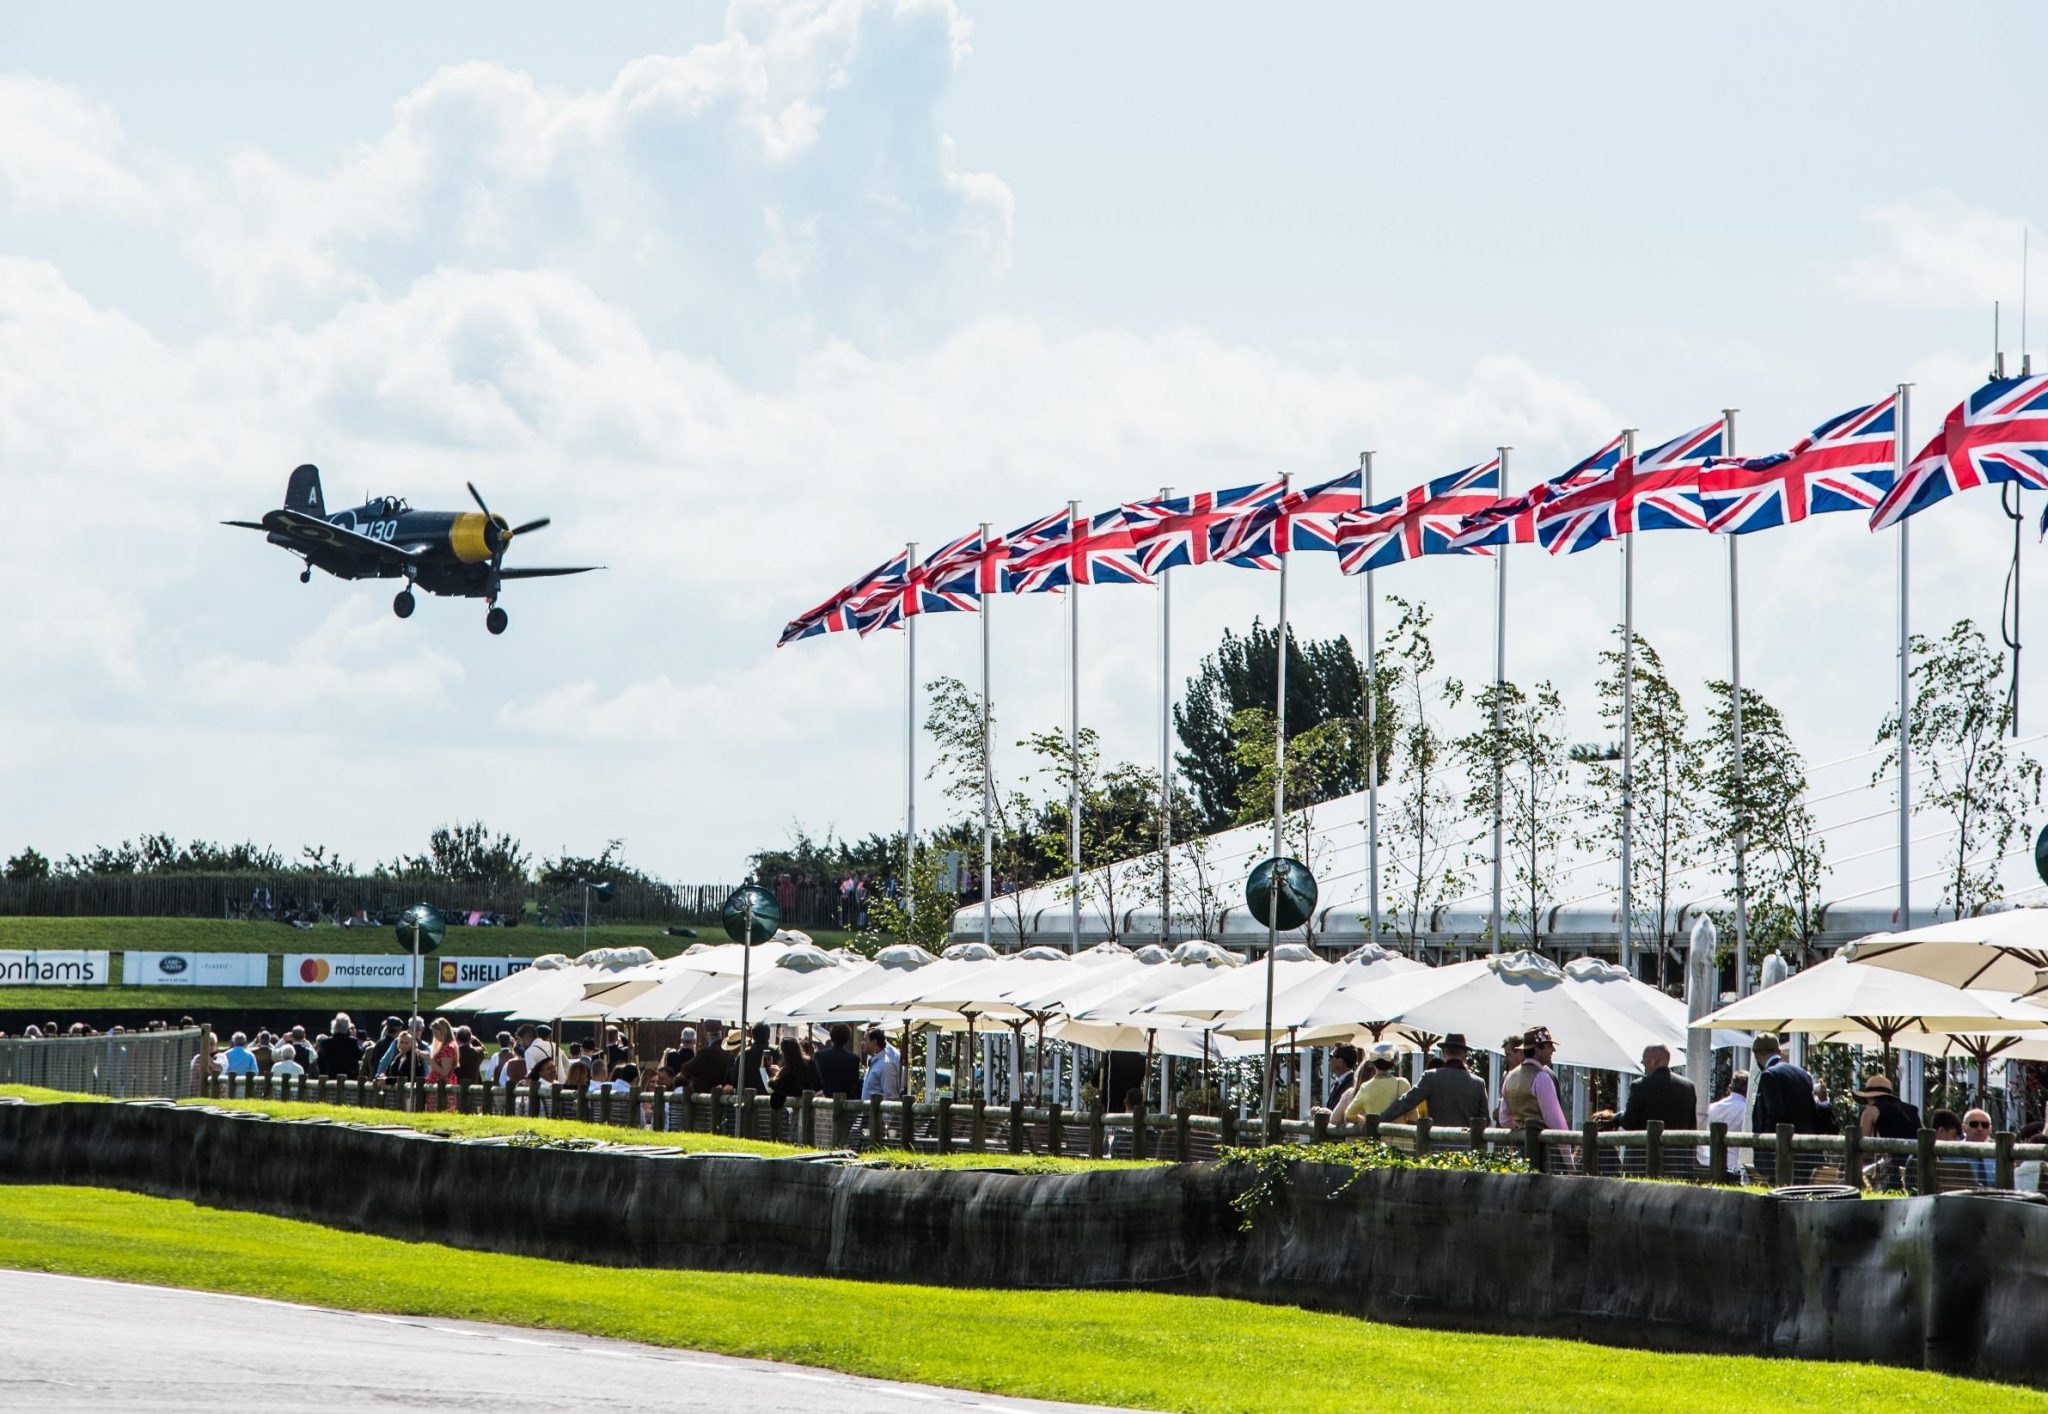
{"points": [[1940, 252]]}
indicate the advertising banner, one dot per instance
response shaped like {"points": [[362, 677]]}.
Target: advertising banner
{"points": [[54, 969], [466, 974], [195, 969], [326, 969]]}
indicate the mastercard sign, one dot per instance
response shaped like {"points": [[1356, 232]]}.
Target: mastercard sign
{"points": [[348, 970]]}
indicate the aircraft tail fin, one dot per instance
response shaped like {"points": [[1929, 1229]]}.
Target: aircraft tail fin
{"points": [[302, 492]]}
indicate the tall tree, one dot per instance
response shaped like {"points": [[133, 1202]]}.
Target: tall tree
{"points": [[469, 852], [1668, 775], [1537, 797], [1418, 821], [1324, 682], [1764, 805], [964, 770], [1974, 775]]}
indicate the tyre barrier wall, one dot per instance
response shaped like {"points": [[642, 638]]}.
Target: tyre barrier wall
{"points": [[1957, 1283]]}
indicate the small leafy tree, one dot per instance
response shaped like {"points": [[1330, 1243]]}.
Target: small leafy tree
{"points": [[924, 915], [1974, 775], [468, 852], [1418, 831], [1536, 795], [1668, 773], [29, 864], [964, 770], [1119, 816], [1324, 753], [1764, 805]]}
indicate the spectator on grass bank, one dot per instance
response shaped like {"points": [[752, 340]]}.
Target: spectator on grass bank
{"points": [[287, 1064], [883, 1078], [1381, 1086], [1732, 1109], [238, 1060], [838, 1067], [264, 1052], [1659, 1095], [1454, 1095], [494, 1068], [444, 1059]]}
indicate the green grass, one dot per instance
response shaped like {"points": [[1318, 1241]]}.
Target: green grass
{"points": [[1133, 1349], [119, 935], [37, 1095], [484, 1126], [479, 1126]]}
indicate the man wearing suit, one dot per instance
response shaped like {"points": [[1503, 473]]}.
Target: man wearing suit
{"points": [[1455, 1095], [1659, 1095], [1782, 1093]]}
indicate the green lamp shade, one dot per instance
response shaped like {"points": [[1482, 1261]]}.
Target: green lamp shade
{"points": [[767, 915], [421, 929], [1288, 905]]}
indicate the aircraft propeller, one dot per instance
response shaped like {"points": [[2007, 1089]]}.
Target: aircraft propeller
{"points": [[498, 534]]}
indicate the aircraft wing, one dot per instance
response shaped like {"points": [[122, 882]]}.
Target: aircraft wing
{"points": [[547, 573], [313, 532]]}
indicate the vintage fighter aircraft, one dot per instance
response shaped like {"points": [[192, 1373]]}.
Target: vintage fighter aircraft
{"points": [[460, 553]]}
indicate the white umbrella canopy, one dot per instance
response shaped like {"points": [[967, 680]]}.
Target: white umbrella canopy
{"points": [[1636, 998], [897, 961], [1999, 952], [1326, 1006], [504, 993], [1233, 990], [797, 972], [1103, 974], [984, 990], [1517, 992], [729, 959], [906, 991], [1188, 964], [1166, 1039], [1840, 999], [562, 995]]}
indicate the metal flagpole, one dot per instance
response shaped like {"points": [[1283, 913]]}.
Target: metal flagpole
{"points": [[1900, 453], [1628, 744], [1500, 765], [988, 765], [1735, 738], [1165, 750], [1073, 733], [1372, 739], [1281, 534], [906, 900]]}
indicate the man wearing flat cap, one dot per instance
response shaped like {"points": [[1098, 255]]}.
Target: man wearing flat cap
{"points": [[1455, 1095]]}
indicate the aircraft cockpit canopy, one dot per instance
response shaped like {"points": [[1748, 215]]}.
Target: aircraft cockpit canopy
{"points": [[392, 505]]}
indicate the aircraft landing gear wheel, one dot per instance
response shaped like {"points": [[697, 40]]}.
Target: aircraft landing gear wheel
{"points": [[402, 605], [306, 575], [496, 620]]}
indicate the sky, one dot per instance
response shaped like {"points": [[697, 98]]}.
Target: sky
{"points": [[747, 298]]}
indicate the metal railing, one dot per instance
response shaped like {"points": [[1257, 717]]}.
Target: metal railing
{"points": [[1710, 1156], [125, 1066]]}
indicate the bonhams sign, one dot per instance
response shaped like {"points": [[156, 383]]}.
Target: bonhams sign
{"points": [[348, 970], [53, 969]]}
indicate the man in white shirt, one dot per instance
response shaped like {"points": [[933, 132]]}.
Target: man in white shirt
{"points": [[884, 1074], [287, 1063], [542, 1050], [1732, 1109]]}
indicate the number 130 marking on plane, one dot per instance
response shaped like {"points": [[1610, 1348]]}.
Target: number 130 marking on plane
{"points": [[458, 553]]}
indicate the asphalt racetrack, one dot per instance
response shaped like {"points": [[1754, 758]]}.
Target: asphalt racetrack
{"points": [[75, 1344]]}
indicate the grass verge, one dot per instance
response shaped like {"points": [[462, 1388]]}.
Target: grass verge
{"points": [[482, 1126], [1133, 1349], [37, 1095]]}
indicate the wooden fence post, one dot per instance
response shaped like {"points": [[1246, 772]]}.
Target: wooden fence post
{"points": [[977, 1126], [1227, 1122], [1532, 1144], [2001, 1159], [1782, 1158], [1852, 1158], [1717, 1151], [909, 1120], [1055, 1130], [1098, 1132], [1423, 1136], [1181, 1131], [1653, 1149], [1589, 1146], [807, 1119], [1930, 1176], [1016, 1126], [1138, 1130], [1319, 1125], [875, 1134], [1479, 1134], [945, 1124]]}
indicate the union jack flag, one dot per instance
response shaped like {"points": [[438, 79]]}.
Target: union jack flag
{"points": [[1654, 490], [1998, 433], [1846, 465], [1299, 520], [1174, 530], [1417, 522], [841, 610], [1101, 553], [1512, 521], [970, 566]]}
